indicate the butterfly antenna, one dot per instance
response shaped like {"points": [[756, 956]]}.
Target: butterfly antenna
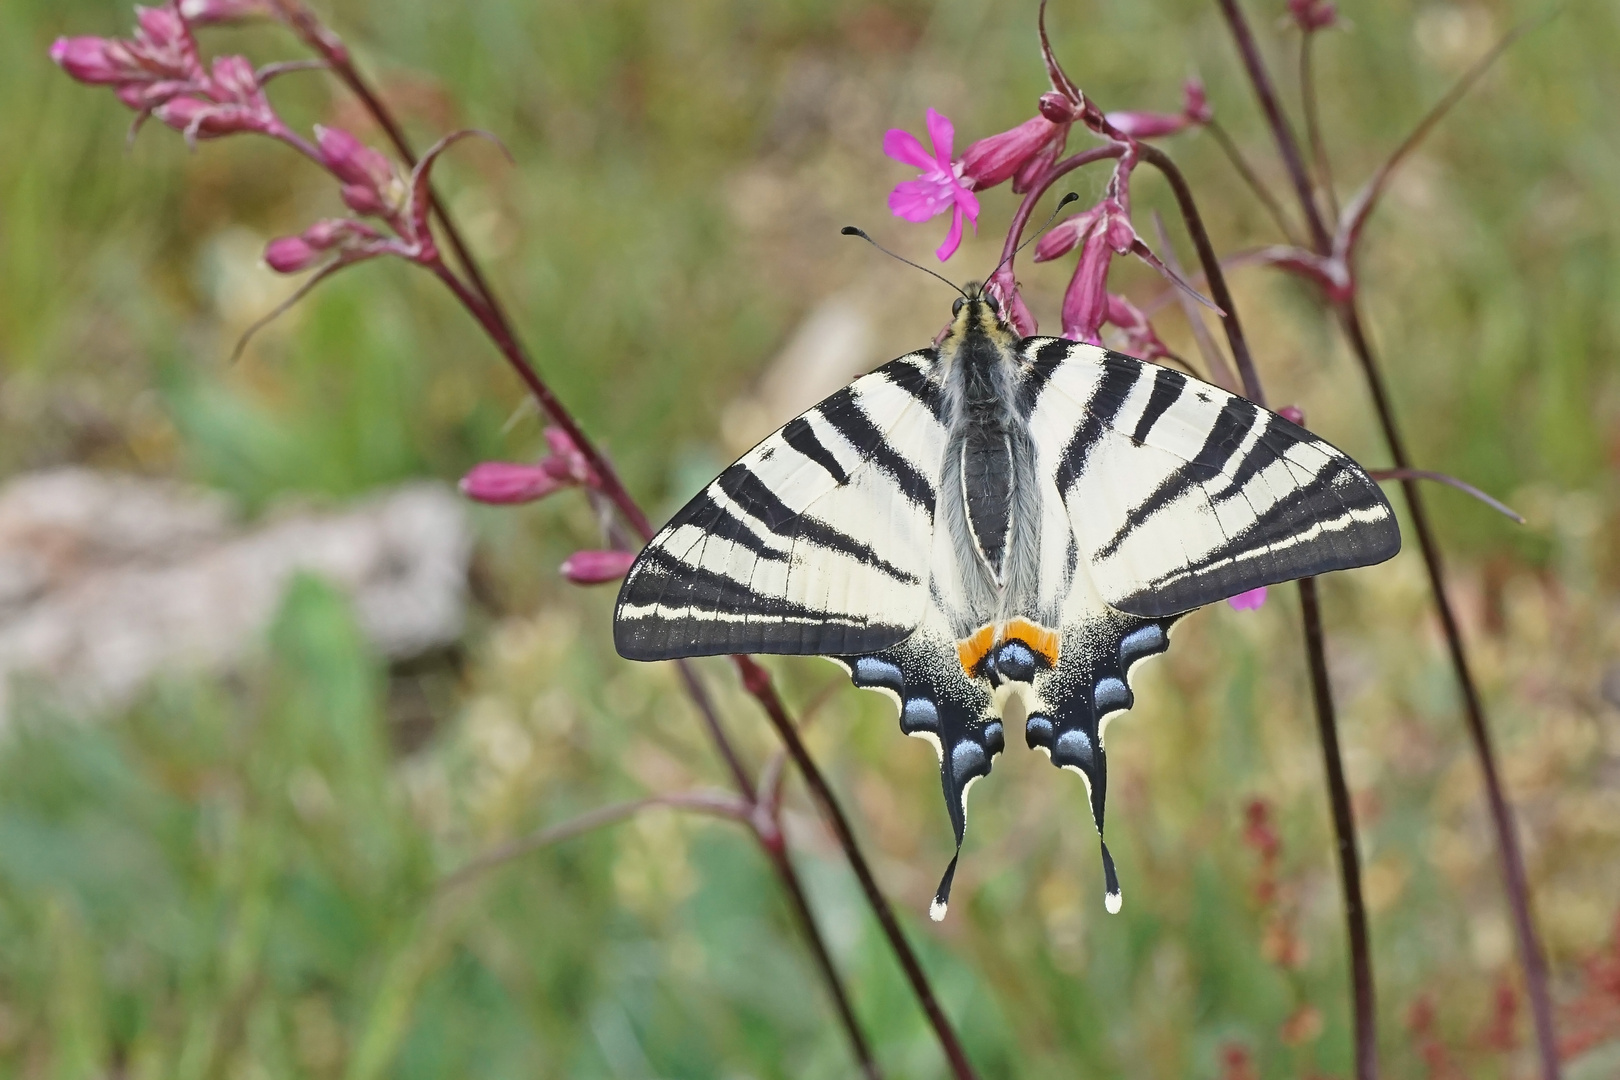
{"points": [[850, 230], [1056, 210]]}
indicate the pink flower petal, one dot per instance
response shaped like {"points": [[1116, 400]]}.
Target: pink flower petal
{"points": [[918, 200], [597, 567], [1248, 601], [943, 133], [967, 202], [504, 482], [953, 239], [903, 147]]}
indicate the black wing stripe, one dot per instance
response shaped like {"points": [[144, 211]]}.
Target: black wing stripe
{"points": [[1048, 355], [1167, 387], [1297, 512], [1236, 418], [802, 437], [1106, 402], [915, 381], [718, 521], [843, 411], [1274, 442], [706, 590], [750, 493]]}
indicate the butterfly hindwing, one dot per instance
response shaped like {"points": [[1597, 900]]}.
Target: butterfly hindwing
{"points": [[815, 542], [1181, 494]]}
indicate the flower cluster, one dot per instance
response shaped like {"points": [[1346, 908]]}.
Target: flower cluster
{"points": [[1030, 157], [159, 72], [503, 483]]}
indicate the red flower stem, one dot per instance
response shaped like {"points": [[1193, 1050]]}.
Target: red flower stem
{"points": [[1514, 878], [1531, 956], [764, 819], [758, 682], [1021, 216], [1287, 145], [1252, 179], [1364, 1014], [1212, 270], [1365, 1011]]}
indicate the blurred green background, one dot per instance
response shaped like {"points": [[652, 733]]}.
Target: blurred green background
{"points": [[236, 878]]}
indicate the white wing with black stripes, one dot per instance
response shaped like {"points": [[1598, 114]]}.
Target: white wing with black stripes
{"points": [[816, 542], [1181, 494]]}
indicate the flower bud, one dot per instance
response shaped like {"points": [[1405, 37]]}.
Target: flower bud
{"points": [[501, 483], [351, 160], [1293, 414], [1313, 15], [92, 60], [997, 158], [290, 254], [207, 12], [1058, 108], [597, 567]]}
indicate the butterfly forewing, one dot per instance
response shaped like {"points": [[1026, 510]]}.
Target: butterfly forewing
{"points": [[1181, 494], [815, 542]]}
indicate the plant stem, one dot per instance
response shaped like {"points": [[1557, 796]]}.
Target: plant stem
{"points": [[1364, 1016], [758, 682], [1252, 179], [1344, 828], [1313, 123], [1213, 273], [485, 307], [1514, 878], [1348, 312]]}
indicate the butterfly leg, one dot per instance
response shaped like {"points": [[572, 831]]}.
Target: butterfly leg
{"points": [[940, 704]]}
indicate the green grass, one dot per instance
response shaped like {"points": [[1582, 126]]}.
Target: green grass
{"points": [[236, 878]]}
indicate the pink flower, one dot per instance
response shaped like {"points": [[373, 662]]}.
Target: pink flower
{"points": [[1313, 15], [502, 483], [160, 62], [352, 239], [1101, 233], [371, 187], [231, 101], [1141, 340], [1195, 111], [1017, 155], [1248, 601], [597, 567], [939, 188]]}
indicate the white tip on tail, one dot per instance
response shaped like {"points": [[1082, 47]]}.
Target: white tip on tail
{"points": [[936, 910], [1113, 902]]}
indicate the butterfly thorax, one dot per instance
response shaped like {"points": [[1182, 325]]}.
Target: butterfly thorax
{"points": [[988, 503]]}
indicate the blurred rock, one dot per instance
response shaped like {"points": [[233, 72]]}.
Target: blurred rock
{"points": [[106, 580]]}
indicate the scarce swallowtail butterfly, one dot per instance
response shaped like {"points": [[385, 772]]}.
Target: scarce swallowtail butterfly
{"points": [[993, 531]]}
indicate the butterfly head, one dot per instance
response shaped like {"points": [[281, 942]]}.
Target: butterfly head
{"points": [[976, 311]]}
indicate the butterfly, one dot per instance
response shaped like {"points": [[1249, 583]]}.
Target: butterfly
{"points": [[992, 531]]}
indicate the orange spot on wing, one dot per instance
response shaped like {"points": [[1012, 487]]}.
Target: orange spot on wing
{"points": [[971, 649], [1037, 637]]}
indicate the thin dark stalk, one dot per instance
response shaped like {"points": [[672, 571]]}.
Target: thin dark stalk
{"points": [[1212, 270], [715, 803], [1313, 123], [758, 682], [1344, 829], [785, 870], [717, 732], [1364, 1016], [1252, 179], [1514, 878], [486, 309], [1507, 840], [1286, 143]]}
